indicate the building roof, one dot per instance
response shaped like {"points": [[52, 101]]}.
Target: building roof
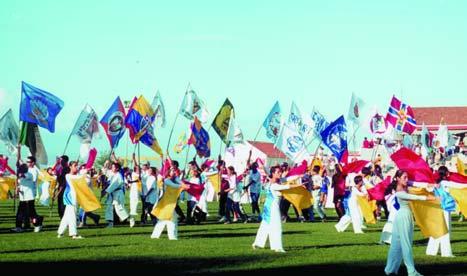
{"points": [[268, 149], [454, 116]]}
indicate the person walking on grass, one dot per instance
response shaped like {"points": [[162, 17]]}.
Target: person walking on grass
{"points": [[271, 226]]}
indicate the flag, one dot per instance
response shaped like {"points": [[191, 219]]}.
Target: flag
{"points": [[47, 186], [319, 122], [378, 124], [354, 167], [113, 122], [200, 139], [166, 205], [456, 177], [272, 123], [460, 167], [194, 189], [378, 191], [31, 138], [234, 133], [159, 109], [367, 209], [9, 130], [291, 143], [442, 137], [355, 109], [39, 107], [299, 170], [92, 157], [87, 125], [460, 196], [222, 120], [6, 183], [401, 116], [215, 180], [335, 138], [416, 168], [426, 137], [193, 106], [84, 195], [300, 197], [407, 141], [428, 215], [301, 124], [181, 144]]}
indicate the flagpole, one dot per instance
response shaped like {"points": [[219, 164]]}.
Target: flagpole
{"points": [[176, 117], [257, 133], [186, 157], [66, 145]]}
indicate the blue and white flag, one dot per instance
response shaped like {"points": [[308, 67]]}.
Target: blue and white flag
{"points": [[335, 138], [9, 131], [303, 125], [272, 123], [291, 143], [320, 122], [113, 122], [87, 125], [234, 134], [39, 106]]}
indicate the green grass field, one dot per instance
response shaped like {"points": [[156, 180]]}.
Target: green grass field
{"points": [[212, 248]]}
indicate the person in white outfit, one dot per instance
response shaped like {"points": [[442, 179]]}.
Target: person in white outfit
{"points": [[133, 179], [71, 204], [443, 243], [271, 226], [152, 193], [386, 234], [355, 216], [402, 234], [172, 225], [115, 196]]}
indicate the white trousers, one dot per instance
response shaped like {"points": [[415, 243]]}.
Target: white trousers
{"points": [[68, 220], [133, 205], [172, 228], [119, 209], [274, 233], [444, 241], [345, 221]]}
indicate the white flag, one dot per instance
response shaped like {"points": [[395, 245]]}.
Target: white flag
{"points": [[192, 106], [87, 125], [9, 131], [291, 143], [355, 109], [234, 133], [159, 110], [304, 125], [442, 137]]}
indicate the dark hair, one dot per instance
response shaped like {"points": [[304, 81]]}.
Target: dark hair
{"points": [[254, 166], [393, 184], [32, 159], [153, 169], [442, 173], [64, 160], [378, 171], [273, 169], [22, 169], [116, 164], [230, 168], [316, 168], [366, 171], [203, 166], [175, 163], [357, 179]]}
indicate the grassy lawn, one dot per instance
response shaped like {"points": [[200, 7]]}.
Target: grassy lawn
{"points": [[217, 248]]}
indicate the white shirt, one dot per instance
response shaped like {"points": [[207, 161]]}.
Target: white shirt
{"points": [[27, 187]]}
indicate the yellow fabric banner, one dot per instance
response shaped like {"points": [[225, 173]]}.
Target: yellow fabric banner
{"points": [[300, 197], [367, 207], [86, 198], [44, 176], [460, 167], [428, 215], [215, 181], [6, 183], [166, 205], [460, 196]]}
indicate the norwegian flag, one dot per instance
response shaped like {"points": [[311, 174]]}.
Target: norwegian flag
{"points": [[401, 116]]}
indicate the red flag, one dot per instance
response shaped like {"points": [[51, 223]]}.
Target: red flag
{"points": [[299, 170], [416, 168], [354, 167], [130, 128], [401, 116], [194, 189], [91, 158], [454, 177], [377, 192], [166, 167]]}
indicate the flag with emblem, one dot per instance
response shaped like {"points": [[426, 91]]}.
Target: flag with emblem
{"points": [[401, 116]]}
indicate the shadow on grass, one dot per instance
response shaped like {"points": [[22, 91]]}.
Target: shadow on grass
{"points": [[56, 248], [229, 266]]}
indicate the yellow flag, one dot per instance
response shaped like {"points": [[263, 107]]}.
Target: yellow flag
{"points": [[317, 162], [215, 181], [460, 196], [367, 207], [160, 183], [86, 198], [222, 120], [6, 183], [166, 206], [300, 197], [460, 167], [428, 215], [44, 176]]}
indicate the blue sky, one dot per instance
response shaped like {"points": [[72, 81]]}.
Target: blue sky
{"points": [[254, 52]]}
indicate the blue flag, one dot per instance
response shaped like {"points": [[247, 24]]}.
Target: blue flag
{"points": [[200, 139], [272, 123], [335, 137], [39, 107], [319, 120], [113, 122]]}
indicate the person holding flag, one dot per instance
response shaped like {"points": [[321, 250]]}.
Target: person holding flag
{"points": [[271, 226], [115, 196]]}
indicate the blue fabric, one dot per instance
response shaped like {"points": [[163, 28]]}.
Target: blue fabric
{"points": [[39, 106], [447, 201], [266, 215], [200, 139], [272, 122], [67, 197], [335, 137], [345, 202], [114, 122], [397, 206]]}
